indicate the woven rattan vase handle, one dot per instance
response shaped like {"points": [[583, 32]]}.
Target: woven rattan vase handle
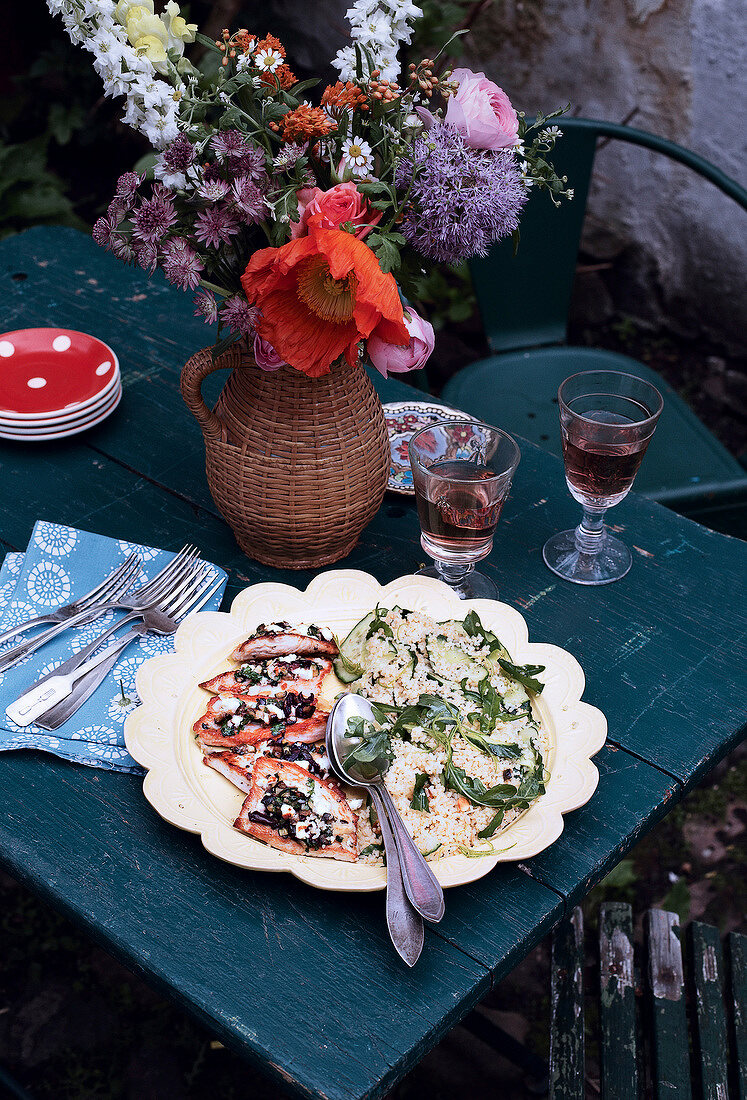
{"points": [[195, 370]]}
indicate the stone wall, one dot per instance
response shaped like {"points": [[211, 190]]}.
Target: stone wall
{"points": [[680, 246]]}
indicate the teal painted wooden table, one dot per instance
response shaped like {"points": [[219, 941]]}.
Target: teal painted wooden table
{"points": [[263, 960]]}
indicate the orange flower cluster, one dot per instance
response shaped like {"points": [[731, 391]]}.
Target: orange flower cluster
{"points": [[385, 90], [283, 75], [339, 97], [422, 74], [304, 124], [270, 42]]}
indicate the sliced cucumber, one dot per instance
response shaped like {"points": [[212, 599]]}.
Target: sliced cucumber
{"points": [[350, 664], [516, 699], [497, 651], [452, 663], [430, 851]]}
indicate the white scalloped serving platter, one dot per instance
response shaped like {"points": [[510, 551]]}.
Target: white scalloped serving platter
{"points": [[194, 797]]}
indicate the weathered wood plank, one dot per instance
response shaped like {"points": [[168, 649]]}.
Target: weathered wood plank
{"points": [[670, 1053], [709, 1029], [738, 1012], [567, 1022], [617, 1003]]}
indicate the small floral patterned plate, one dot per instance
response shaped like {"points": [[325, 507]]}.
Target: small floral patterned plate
{"points": [[403, 419]]}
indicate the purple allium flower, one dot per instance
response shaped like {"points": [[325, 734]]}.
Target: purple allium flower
{"points": [[146, 256], [206, 306], [215, 226], [154, 217], [179, 155], [248, 198], [463, 199], [213, 190], [239, 315], [181, 264]]}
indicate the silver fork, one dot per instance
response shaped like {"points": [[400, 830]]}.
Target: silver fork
{"points": [[137, 599], [115, 584], [162, 617]]}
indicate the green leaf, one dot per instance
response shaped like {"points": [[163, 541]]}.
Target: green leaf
{"points": [[209, 43], [491, 827], [386, 251], [419, 799], [524, 674]]}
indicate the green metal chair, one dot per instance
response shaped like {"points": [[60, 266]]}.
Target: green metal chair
{"points": [[524, 301]]}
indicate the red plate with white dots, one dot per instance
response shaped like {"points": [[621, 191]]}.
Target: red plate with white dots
{"points": [[48, 373]]}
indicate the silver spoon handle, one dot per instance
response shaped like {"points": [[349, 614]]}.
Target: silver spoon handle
{"points": [[421, 885], [405, 924]]}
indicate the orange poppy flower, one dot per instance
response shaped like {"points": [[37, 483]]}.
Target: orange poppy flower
{"points": [[320, 296]]}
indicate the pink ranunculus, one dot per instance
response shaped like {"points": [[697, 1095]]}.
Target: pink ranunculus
{"points": [[334, 208], [482, 112], [265, 355], [394, 359]]}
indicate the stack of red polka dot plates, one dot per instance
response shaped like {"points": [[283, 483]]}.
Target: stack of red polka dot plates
{"points": [[55, 382]]}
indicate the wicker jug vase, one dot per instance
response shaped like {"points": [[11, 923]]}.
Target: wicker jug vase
{"points": [[297, 466]]}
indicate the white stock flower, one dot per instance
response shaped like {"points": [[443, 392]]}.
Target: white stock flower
{"points": [[126, 67], [380, 26]]}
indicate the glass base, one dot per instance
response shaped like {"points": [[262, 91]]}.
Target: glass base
{"points": [[470, 586], [563, 556]]}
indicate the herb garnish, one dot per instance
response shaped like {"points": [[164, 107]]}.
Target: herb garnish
{"points": [[523, 674], [378, 623], [419, 795]]}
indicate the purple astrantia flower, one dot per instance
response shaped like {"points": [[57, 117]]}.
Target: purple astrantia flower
{"points": [[127, 185], [146, 256], [215, 226], [154, 217], [236, 151], [239, 315], [104, 231], [248, 198], [206, 306], [287, 158], [178, 156], [213, 190], [463, 199], [181, 264]]}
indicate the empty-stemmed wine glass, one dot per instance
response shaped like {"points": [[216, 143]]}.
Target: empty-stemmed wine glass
{"points": [[462, 473], [606, 421]]}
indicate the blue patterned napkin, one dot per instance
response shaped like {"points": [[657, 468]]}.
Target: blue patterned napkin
{"points": [[61, 564]]}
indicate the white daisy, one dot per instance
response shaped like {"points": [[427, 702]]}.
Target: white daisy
{"points": [[268, 60], [358, 156]]}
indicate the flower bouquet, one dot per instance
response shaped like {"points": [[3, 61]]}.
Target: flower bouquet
{"points": [[304, 229]]}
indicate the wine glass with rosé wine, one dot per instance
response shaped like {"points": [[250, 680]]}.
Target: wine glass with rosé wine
{"points": [[606, 423], [462, 473]]}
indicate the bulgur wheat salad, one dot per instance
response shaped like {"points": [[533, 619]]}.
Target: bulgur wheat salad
{"points": [[453, 730], [454, 721]]}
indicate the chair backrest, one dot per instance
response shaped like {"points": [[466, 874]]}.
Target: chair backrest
{"points": [[524, 299]]}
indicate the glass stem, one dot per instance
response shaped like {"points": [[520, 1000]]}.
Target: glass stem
{"points": [[454, 573], [590, 533]]}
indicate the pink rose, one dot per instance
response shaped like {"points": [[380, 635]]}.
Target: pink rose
{"points": [[395, 359], [482, 112], [333, 208], [265, 355]]}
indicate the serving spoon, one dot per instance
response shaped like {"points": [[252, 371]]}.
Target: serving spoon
{"points": [[421, 885], [404, 923]]}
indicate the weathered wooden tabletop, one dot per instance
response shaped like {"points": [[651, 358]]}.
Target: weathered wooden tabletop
{"points": [[300, 981]]}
